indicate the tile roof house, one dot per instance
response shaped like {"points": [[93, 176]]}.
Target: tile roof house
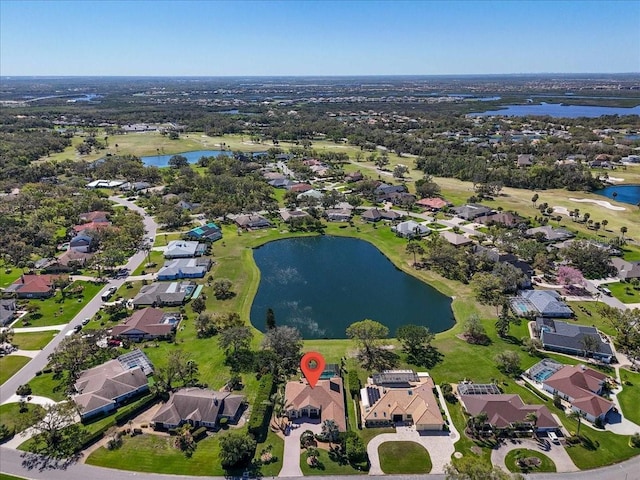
{"points": [[209, 232], [103, 388], [338, 214], [433, 204], [324, 401], [287, 215], [252, 222], [178, 268], [160, 294], [300, 187], [626, 270], [408, 400], [455, 239], [199, 407], [559, 336], [471, 211], [91, 226], [411, 229], [33, 286], [524, 160], [507, 219], [147, 323], [184, 249], [581, 387], [7, 311], [547, 303], [508, 410]]}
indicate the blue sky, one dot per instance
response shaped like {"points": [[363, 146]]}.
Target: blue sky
{"points": [[212, 38]]}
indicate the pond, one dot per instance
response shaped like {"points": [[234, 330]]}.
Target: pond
{"points": [[558, 110], [623, 193], [192, 157], [323, 284]]}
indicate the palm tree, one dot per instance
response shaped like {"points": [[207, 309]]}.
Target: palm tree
{"points": [[416, 249], [533, 419], [575, 415], [604, 223], [623, 230], [590, 344]]}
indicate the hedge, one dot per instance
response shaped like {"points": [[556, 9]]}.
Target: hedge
{"points": [[354, 383], [128, 411], [262, 408], [199, 433]]}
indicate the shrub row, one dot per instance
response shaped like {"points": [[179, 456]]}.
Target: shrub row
{"points": [[261, 413], [354, 383], [199, 433]]}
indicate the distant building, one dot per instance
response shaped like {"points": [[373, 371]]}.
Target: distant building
{"points": [[550, 234], [33, 286], [432, 204], [179, 268], [147, 324], [160, 294], [626, 270], [184, 249], [288, 215], [338, 214], [544, 303], [252, 222], [471, 211], [411, 229], [455, 239], [8, 310], [83, 243]]}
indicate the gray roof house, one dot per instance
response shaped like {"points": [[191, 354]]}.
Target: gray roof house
{"points": [[252, 222], [199, 407], [158, 294], [287, 215], [184, 249], [7, 311], [410, 229], [103, 388], [178, 268], [563, 337], [455, 239], [338, 214], [471, 211], [626, 270], [550, 234], [372, 215], [545, 303]]}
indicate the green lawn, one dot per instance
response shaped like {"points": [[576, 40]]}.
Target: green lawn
{"points": [[630, 396], [546, 465], [56, 311], [46, 386], [4, 476], [588, 313], [277, 450], [9, 365], [327, 466], [163, 239], [624, 292], [33, 340], [8, 274], [404, 458], [11, 416]]}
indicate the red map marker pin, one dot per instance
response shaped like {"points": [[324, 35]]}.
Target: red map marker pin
{"points": [[312, 365]]}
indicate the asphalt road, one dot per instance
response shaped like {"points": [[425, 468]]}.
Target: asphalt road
{"points": [[40, 361]]}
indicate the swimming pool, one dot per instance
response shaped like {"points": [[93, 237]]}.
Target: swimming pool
{"points": [[542, 375]]}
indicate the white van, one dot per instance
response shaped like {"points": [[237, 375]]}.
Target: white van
{"points": [[554, 438]]}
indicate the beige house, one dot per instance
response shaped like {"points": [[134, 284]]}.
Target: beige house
{"points": [[325, 401], [401, 398]]}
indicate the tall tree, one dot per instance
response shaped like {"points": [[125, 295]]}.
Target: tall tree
{"points": [[416, 343], [58, 433], [286, 343], [369, 335], [416, 249]]}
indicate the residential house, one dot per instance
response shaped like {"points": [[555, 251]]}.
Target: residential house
{"points": [[433, 204], [371, 215], [199, 407], [164, 294], [209, 232], [391, 215], [399, 198], [147, 324], [354, 177], [338, 214], [400, 397], [626, 270], [563, 337], [8, 310], [311, 194], [544, 303], [69, 261], [524, 160], [455, 239], [549, 233], [33, 286], [411, 229], [85, 227], [287, 215], [507, 219], [179, 268], [83, 243], [471, 211], [105, 184], [506, 411], [252, 222], [104, 388], [184, 249], [281, 182], [580, 386], [300, 187], [383, 190], [97, 216], [325, 401]]}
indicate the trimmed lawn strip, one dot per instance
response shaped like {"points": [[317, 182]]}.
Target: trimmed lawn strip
{"points": [[624, 292], [629, 398], [45, 385], [11, 416], [33, 340], [8, 277], [277, 450], [10, 364], [404, 458], [326, 466], [4, 476], [546, 464]]}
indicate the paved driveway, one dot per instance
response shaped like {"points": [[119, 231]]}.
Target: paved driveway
{"points": [[557, 453], [291, 457]]}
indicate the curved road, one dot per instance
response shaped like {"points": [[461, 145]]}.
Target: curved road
{"points": [[40, 361]]}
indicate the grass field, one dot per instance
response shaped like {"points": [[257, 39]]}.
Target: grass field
{"points": [[326, 466], [33, 340], [630, 396], [624, 292], [9, 365], [404, 458], [56, 311], [4, 476], [546, 464], [8, 274], [12, 417], [46, 386]]}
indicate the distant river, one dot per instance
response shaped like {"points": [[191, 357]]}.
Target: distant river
{"points": [[558, 110], [625, 193], [323, 284]]}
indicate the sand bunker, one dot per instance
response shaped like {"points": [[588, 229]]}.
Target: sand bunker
{"points": [[602, 203], [561, 210]]}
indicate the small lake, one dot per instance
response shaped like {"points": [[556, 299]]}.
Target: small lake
{"points": [[323, 284], [558, 110], [192, 157], [625, 193]]}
